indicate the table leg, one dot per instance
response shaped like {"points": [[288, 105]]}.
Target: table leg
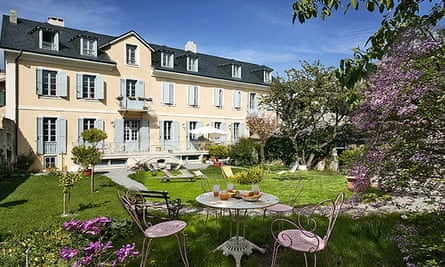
{"points": [[238, 245]]}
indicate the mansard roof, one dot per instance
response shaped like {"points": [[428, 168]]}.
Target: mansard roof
{"points": [[24, 37]]}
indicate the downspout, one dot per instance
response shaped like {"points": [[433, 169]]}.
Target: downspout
{"points": [[17, 104]]}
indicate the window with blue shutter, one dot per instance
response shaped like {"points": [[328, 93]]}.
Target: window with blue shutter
{"points": [[218, 97], [90, 86], [193, 95], [51, 83], [237, 99], [168, 93]]}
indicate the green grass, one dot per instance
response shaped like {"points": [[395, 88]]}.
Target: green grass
{"points": [[31, 203]]}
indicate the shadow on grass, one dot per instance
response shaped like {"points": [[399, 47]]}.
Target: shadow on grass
{"points": [[83, 207], [13, 203], [9, 185]]}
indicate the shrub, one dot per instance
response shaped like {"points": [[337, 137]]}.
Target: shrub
{"points": [[251, 176], [244, 152], [218, 151], [280, 148], [349, 156]]}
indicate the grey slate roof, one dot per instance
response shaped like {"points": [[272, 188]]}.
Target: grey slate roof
{"points": [[24, 36]]}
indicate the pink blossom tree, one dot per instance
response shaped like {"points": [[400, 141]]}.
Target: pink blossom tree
{"points": [[403, 111]]}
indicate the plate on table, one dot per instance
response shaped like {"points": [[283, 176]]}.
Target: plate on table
{"points": [[252, 198]]}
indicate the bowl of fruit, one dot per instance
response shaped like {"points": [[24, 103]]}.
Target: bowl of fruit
{"points": [[251, 196]]}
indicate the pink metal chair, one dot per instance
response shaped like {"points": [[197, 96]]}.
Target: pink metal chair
{"points": [[291, 192], [133, 203], [302, 236]]}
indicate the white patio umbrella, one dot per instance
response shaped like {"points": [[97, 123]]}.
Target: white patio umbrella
{"points": [[210, 131]]}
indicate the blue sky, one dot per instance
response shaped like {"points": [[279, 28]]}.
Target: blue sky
{"points": [[259, 31]]}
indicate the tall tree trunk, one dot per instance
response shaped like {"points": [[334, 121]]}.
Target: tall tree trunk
{"points": [[64, 203], [92, 180]]}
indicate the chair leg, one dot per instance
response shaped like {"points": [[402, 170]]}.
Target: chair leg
{"points": [[180, 237], [146, 247], [315, 259], [305, 259], [276, 246]]}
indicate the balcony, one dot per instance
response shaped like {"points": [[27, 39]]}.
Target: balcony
{"points": [[136, 104]]}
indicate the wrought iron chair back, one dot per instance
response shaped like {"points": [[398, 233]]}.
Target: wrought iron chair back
{"points": [[302, 235]]}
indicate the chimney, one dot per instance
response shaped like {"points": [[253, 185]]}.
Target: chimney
{"points": [[13, 16], [190, 46], [56, 21]]}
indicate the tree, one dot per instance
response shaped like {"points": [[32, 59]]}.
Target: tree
{"points": [[403, 111], [88, 155], [263, 127], [67, 181], [396, 18], [312, 107]]}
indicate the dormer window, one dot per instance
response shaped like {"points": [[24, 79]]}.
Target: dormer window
{"points": [[236, 71], [88, 47], [167, 59], [267, 76], [132, 54], [48, 39], [192, 63]]}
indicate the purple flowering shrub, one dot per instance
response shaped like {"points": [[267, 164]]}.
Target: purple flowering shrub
{"points": [[403, 111], [91, 245]]}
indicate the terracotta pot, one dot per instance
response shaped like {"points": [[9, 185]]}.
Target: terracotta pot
{"points": [[351, 182], [87, 172], [217, 164]]}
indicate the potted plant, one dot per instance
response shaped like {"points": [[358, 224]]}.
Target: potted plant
{"points": [[217, 152]]}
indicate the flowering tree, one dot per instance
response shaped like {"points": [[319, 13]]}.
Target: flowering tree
{"points": [[91, 247], [263, 126], [404, 110]]}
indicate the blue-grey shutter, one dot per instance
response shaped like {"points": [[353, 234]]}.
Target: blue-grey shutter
{"points": [[79, 85], [61, 135], [257, 102], [99, 87], [161, 133], [61, 84], [39, 81], [165, 93], [236, 99], [191, 95], [216, 97], [171, 92], [242, 128], [99, 124], [224, 128], [39, 141], [232, 133], [123, 88], [79, 131], [140, 88], [145, 135], [175, 133], [187, 135], [119, 132]]}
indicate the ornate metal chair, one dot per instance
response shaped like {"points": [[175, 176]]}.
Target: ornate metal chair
{"points": [[291, 192], [131, 203], [302, 236]]}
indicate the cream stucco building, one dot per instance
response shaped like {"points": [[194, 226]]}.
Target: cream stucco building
{"points": [[146, 97]]}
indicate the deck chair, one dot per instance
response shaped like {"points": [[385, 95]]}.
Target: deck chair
{"points": [[302, 236], [153, 231], [290, 193], [226, 172]]}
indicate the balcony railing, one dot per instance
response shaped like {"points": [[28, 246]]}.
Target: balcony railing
{"points": [[134, 103], [50, 147]]}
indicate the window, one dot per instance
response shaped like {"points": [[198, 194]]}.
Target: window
{"points": [[51, 83], [167, 59], [218, 95], [131, 130], [267, 76], [192, 63], [131, 54], [49, 129], [167, 130], [236, 130], [192, 126], [237, 99], [88, 124], [236, 71], [89, 86], [2, 97], [48, 39], [168, 93], [193, 95], [252, 104], [88, 47], [217, 124], [51, 135], [49, 162], [131, 87]]}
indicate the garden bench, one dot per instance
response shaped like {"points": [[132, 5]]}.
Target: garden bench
{"points": [[173, 205]]}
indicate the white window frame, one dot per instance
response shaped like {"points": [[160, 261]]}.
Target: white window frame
{"points": [[267, 76], [236, 71], [218, 97], [131, 130], [130, 88], [88, 47], [192, 63], [167, 59], [132, 54], [193, 95], [51, 45], [168, 93]]}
